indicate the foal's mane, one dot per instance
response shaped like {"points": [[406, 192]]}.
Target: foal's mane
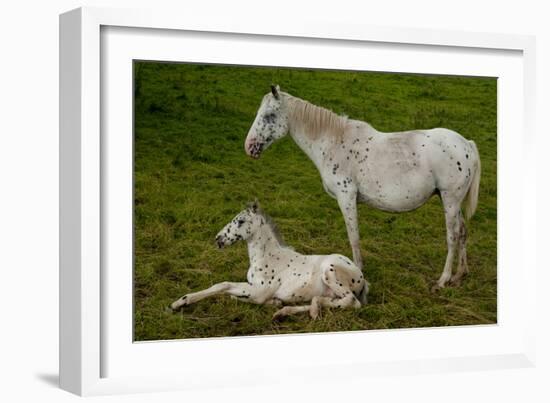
{"points": [[269, 221], [314, 120]]}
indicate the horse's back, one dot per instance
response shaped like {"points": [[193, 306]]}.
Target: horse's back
{"points": [[403, 169]]}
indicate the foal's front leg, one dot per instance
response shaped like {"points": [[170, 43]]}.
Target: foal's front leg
{"points": [[348, 205], [240, 290]]}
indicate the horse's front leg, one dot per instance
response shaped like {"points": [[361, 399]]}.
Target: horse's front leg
{"points": [[242, 291], [347, 201]]}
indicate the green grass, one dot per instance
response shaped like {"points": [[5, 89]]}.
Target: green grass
{"points": [[192, 176]]}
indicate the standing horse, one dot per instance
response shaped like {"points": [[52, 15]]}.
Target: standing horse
{"points": [[278, 274], [394, 172]]}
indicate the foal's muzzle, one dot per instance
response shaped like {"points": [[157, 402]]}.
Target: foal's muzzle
{"points": [[220, 241]]}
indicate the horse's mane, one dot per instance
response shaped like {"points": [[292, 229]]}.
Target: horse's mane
{"points": [[313, 119]]}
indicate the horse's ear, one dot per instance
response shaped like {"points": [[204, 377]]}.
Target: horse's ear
{"points": [[275, 91]]}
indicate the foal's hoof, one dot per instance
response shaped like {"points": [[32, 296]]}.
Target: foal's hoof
{"points": [[180, 303], [173, 309], [314, 309], [278, 316], [314, 314]]}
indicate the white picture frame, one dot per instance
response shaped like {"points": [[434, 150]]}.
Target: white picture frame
{"points": [[93, 349]]}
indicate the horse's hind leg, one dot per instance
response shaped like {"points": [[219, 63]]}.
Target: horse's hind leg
{"points": [[462, 270], [451, 204]]}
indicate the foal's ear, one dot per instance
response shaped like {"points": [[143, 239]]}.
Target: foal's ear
{"points": [[275, 91], [254, 206]]}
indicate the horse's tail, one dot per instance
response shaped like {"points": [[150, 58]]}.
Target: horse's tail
{"points": [[362, 297], [473, 192]]}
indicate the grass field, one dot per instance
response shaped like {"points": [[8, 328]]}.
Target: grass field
{"points": [[192, 176]]}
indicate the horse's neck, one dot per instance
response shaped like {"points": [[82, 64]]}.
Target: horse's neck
{"points": [[312, 144], [262, 243]]}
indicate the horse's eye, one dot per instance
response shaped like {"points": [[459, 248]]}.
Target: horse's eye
{"points": [[270, 117]]}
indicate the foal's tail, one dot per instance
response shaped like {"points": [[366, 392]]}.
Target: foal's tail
{"points": [[473, 192]]}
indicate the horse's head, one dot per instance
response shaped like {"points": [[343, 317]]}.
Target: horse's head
{"points": [[241, 227], [270, 124]]}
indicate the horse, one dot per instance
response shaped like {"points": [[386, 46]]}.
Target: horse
{"points": [[277, 274], [394, 172]]}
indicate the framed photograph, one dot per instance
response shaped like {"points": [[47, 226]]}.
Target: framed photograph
{"points": [[283, 192]]}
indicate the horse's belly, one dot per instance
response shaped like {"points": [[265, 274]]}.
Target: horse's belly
{"points": [[397, 196]]}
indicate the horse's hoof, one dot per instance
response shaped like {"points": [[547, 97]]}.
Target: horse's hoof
{"points": [[455, 281], [436, 288]]}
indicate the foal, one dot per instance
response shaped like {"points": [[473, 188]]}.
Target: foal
{"points": [[277, 274]]}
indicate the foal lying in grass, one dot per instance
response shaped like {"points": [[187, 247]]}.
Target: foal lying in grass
{"points": [[278, 274]]}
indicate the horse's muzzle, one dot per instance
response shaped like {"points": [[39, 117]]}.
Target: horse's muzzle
{"points": [[254, 149]]}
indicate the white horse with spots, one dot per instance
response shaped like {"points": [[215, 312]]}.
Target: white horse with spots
{"points": [[394, 172], [277, 274]]}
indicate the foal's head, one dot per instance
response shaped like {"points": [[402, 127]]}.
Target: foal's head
{"points": [[270, 124], [241, 227]]}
